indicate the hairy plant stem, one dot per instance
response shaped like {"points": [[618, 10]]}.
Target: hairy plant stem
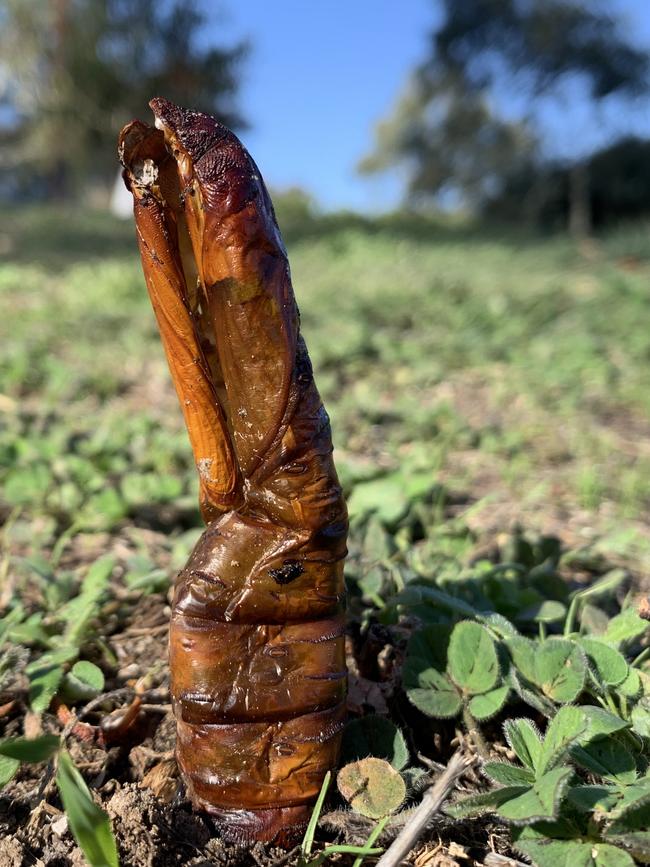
{"points": [[475, 733]]}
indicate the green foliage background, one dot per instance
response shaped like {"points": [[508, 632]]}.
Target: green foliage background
{"points": [[480, 384], [507, 366]]}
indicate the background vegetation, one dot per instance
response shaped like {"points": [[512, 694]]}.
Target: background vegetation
{"points": [[489, 389], [483, 389]]}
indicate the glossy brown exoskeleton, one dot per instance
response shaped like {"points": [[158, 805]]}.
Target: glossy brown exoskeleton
{"points": [[256, 643]]}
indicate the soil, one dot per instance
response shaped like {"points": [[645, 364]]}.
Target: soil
{"points": [[132, 772], [136, 780]]}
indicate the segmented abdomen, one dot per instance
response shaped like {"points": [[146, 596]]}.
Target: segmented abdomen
{"points": [[257, 649], [259, 698]]}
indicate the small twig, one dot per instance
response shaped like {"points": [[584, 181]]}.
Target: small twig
{"points": [[433, 766], [158, 629], [92, 705], [156, 708], [154, 696], [493, 859], [475, 733], [431, 802], [47, 780]]}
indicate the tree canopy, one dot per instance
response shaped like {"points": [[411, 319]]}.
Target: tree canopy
{"points": [[74, 71], [469, 117], [449, 141]]}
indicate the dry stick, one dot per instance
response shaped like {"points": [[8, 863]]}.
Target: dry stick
{"points": [[431, 802], [493, 859], [94, 703]]}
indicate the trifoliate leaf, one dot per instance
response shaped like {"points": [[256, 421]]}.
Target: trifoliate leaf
{"points": [[631, 686], [427, 685], [601, 723], [472, 658], [84, 682], [560, 669], [633, 844], [522, 652], [631, 829], [608, 758], [593, 619], [426, 650], [416, 595], [541, 802], [384, 497], [45, 675], [530, 694], [626, 626], [591, 799], [524, 738], [571, 853], [634, 795], [506, 774], [499, 624], [640, 717], [566, 727], [546, 611], [441, 702], [610, 667], [79, 612], [488, 704], [486, 802]]}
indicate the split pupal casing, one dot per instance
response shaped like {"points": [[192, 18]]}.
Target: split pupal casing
{"points": [[257, 655]]}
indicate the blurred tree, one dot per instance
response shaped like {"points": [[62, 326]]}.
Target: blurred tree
{"points": [[618, 188], [74, 71], [450, 142], [294, 208], [490, 49]]}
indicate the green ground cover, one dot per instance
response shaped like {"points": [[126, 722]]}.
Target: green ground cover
{"points": [[507, 366], [490, 404]]}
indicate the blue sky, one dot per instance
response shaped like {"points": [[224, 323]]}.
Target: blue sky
{"points": [[322, 72]]}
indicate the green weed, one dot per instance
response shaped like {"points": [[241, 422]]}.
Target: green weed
{"points": [[474, 380]]}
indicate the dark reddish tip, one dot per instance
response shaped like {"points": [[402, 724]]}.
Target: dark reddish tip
{"points": [[208, 152], [194, 131], [171, 115]]}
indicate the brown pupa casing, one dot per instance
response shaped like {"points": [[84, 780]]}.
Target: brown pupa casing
{"points": [[257, 659]]}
